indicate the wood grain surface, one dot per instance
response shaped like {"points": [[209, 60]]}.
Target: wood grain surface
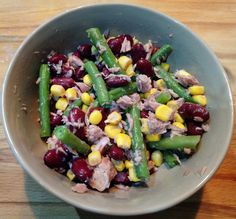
{"points": [[213, 20]]}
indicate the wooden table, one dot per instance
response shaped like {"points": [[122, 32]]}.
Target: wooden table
{"points": [[213, 20]]}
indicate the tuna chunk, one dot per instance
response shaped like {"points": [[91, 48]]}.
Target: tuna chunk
{"points": [[144, 83], [94, 133], [80, 188], [127, 101], [186, 79]]}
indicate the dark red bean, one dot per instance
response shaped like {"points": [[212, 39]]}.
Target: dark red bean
{"points": [[65, 82], [55, 119], [76, 114], [144, 114], [56, 58], [194, 112], [116, 81], [101, 65], [121, 178], [194, 128], [76, 53], [116, 153], [85, 51], [67, 71], [80, 133], [115, 44], [81, 170], [105, 72], [145, 67], [137, 52], [78, 74]]}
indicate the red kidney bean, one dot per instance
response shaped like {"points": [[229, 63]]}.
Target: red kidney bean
{"points": [[116, 153], [65, 82], [55, 119], [105, 72], [80, 133], [138, 52], [85, 51], [78, 74], [145, 67], [115, 44], [194, 128], [101, 65], [81, 170], [194, 112], [67, 71], [56, 58], [121, 178], [76, 53], [76, 114], [116, 81], [144, 114]]}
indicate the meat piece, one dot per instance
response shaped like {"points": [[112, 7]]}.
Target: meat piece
{"points": [[101, 144], [148, 48], [186, 79], [156, 126], [75, 61], [150, 104], [103, 175], [144, 83], [125, 46], [94, 133], [176, 131], [131, 123], [80, 188], [83, 87], [127, 101]]}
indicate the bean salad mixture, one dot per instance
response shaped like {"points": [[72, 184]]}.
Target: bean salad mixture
{"points": [[112, 113]]}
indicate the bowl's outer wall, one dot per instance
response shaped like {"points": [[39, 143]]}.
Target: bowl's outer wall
{"points": [[64, 34]]}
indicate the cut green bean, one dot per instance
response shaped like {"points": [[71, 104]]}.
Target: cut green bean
{"points": [[176, 142], [76, 103], [100, 43], [138, 147], [171, 83], [161, 55], [44, 102], [163, 97], [71, 140], [170, 159], [99, 84]]}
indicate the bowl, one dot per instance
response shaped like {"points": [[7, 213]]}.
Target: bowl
{"points": [[63, 33]]}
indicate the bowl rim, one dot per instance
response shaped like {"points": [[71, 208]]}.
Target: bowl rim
{"points": [[56, 192]]}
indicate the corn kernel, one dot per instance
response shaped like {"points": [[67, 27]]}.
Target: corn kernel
{"points": [[157, 158], [163, 113], [70, 175], [87, 80], [129, 164], [178, 118], [71, 94], [132, 175], [145, 127], [84, 108], [151, 92], [114, 118], [123, 141], [201, 99], [119, 165], [152, 137], [165, 66], [95, 117], [135, 41], [57, 90], [161, 84], [93, 148], [61, 104], [172, 104], [179, 125], [112, 130], [124, 62], [94, 158], [130, 70], [147, 154], [196, 90], [86, 98]]}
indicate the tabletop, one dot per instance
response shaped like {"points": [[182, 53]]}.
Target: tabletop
{"points": [[213, 20]]}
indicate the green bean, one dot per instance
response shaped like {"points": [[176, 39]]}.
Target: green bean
{"points": [[163, 97], [44, 102], [116, 93], [99, 84], [170, 159], [176, 142], [98, 41], [138, 146], [161, 54], [72, 141], [173, 84], [77, 102]]}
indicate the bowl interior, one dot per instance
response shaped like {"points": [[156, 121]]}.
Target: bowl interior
{"points": [[63, 34]]}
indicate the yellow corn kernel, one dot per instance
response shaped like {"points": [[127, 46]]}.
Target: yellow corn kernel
{"points": [[130, 70], [87, 80], [84, 108], [129, 164], [157, 158], [124, 62], [196, 90], [178, 118], [145, 127], [95, 117], [119, 165], [172, 104], [114, 118], [93, 147], [94, 158], [149, 93], [70, 175], [201, 99], [147, 154], [163, 113], [112, 130], [61, 104], [57, 90], [71, 94], [135, 41], [161, 84], [132, 175], [179, 125], [165, 66], [86, 98], [123, 141], [152, 137]]}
